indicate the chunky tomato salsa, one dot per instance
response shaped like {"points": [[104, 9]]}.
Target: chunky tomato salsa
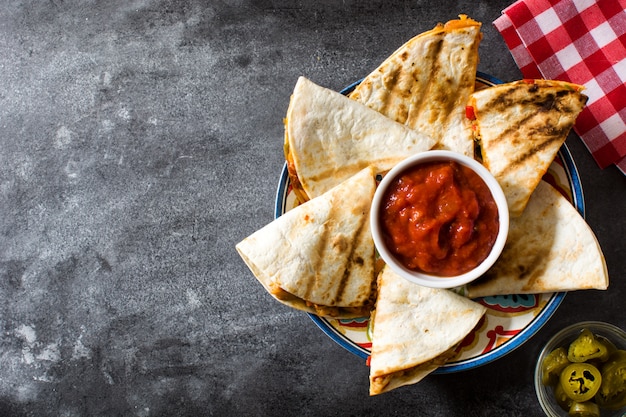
{"points": [[439, 218]]}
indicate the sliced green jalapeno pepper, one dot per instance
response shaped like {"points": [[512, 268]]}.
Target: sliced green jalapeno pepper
{"points": [[561, 398], [587, 347], [612, 392], [552, 366], [580, 381], [611, 348], [587, 375], [585, 409]]}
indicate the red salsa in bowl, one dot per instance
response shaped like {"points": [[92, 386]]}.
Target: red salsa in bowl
{"points": [[440, 219]]}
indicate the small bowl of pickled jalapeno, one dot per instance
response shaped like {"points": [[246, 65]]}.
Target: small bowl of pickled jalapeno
{"points": [[581, 372]]}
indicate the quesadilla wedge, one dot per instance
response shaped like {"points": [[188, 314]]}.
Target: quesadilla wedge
{"points": [[329, 138], [415, 330], [520, 127], [426, 82], [319, 256], [550, 248]]}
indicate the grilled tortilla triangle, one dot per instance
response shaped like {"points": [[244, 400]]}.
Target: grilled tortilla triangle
{"points": [[426, 82], [549, 248], [520, 127], [329, 138], [319, 256], [415, 330]]}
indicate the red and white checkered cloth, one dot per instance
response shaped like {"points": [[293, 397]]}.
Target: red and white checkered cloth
{"points": [[583, 42]]}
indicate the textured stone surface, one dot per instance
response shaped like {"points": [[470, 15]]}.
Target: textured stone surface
{"points": [[139, 141]]}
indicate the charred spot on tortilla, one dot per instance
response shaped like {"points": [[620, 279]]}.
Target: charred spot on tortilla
{"points": [[550, 248], [326, 265], [339, 243], [426, 82], [520, 127]]}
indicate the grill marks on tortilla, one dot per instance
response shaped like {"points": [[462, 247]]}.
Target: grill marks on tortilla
{"points": [[521, 127], [425, 84], [403, 93], [353, 261], [412, 87], [538, 108], [539, 147], [435, 93], [549, 248], [336, 242], [319, 256]]}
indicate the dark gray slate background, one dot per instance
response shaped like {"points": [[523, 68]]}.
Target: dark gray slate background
{"points": [[139, 142]]}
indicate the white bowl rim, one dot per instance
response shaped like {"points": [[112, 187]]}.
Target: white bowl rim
{"points": [[432, 280]]}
